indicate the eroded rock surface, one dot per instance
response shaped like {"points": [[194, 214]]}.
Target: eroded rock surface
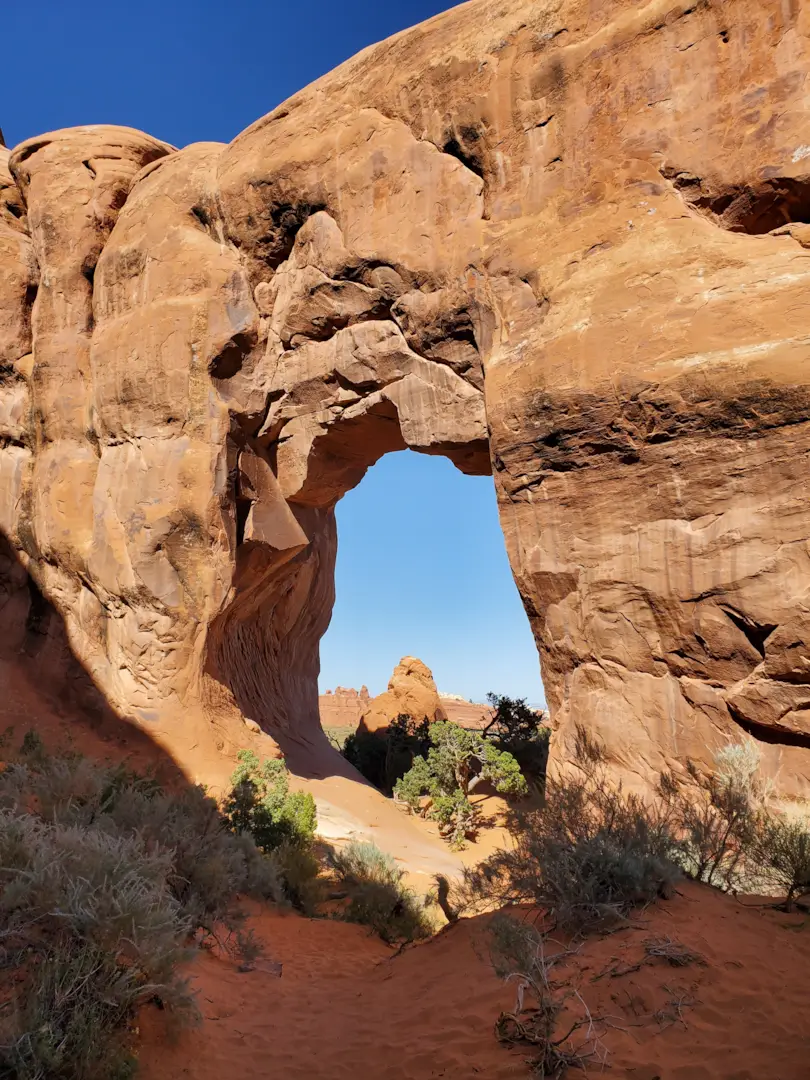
{"points": [[564, 241]]}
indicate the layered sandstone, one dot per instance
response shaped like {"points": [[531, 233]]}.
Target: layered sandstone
{"points": [[562, 241], [411, 692], [343, 707]]}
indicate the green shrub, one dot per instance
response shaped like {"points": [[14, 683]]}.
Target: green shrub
{"points": [[377, 897], [384, 756], [260, 803], [367, 751], [457, 761], [522, 732], [298, 871]]}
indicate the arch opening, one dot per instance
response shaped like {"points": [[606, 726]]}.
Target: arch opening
{"points": [[422, 571]]}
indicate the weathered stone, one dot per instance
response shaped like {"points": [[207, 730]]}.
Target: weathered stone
{"points": [[520, 235], [411, 692]]}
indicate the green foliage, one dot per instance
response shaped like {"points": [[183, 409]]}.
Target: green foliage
{"points": [[377, 897], [384, 756], [298, 871], [522, 732], [457, 761], [260, 803]]}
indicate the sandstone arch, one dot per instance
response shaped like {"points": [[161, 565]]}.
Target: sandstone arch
{"points": [[563, 238]]}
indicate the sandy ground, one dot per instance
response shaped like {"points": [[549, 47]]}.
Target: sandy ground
{"points": [[344, 1007]]}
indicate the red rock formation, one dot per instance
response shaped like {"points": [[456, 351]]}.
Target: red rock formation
{"points": [[411, 692], [467, 714], [565, 242], [343, 707]]}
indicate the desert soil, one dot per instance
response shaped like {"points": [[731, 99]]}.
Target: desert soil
{"points": [[344, 1006]]}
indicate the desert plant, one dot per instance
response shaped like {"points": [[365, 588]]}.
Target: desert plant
{"points": [[260, 803], [367, 751], [549, 1012], [384, 756], [522, 732], [457, 762], [783, 850], [298, 871], [105, 880], [92, 931], [718, 816], [589, 854], [376, 895]]}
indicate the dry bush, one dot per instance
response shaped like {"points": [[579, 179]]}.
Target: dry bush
{"points": [[91, 930], [105, 880], [561, 1034], [783, 851], [719, 818], [672, 951], [590, 854], [373, 884]]}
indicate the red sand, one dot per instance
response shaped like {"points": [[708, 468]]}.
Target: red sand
{"points": [[345, 1007]]}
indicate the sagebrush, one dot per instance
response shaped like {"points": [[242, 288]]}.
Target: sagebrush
{"points": [[377, 896]]}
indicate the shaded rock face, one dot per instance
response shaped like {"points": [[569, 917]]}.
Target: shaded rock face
{"points": [[562, 241], [411, 692]]}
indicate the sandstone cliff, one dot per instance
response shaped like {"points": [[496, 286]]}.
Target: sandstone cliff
{"points": [[561, 241]]}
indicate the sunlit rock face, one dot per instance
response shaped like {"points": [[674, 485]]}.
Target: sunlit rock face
{"points": [[563, 242]]}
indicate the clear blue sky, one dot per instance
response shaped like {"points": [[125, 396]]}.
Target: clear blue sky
{"points": [[422, 570], [421, 565]]}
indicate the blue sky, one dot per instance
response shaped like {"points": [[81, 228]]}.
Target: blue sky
{"points": [[422, 570], [421, 563]]}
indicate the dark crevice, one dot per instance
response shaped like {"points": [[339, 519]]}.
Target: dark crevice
{"points": [[757, 633], [467, 152], [39, 610], [754, 210], [15, 210], [283, 224], [229, 361], [243, 506], [766, 733], [202, 215], [90, 168]]}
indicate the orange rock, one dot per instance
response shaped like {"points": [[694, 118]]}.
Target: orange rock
{"points": [[411, 691], [563, 243]]}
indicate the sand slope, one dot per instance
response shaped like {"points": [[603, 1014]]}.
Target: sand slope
{"points": [[343, 1007]]}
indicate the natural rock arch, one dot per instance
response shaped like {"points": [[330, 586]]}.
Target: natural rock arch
{"points": [[511, 234]]}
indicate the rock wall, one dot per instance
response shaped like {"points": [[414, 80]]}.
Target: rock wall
{"points": [[562, 240]]}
